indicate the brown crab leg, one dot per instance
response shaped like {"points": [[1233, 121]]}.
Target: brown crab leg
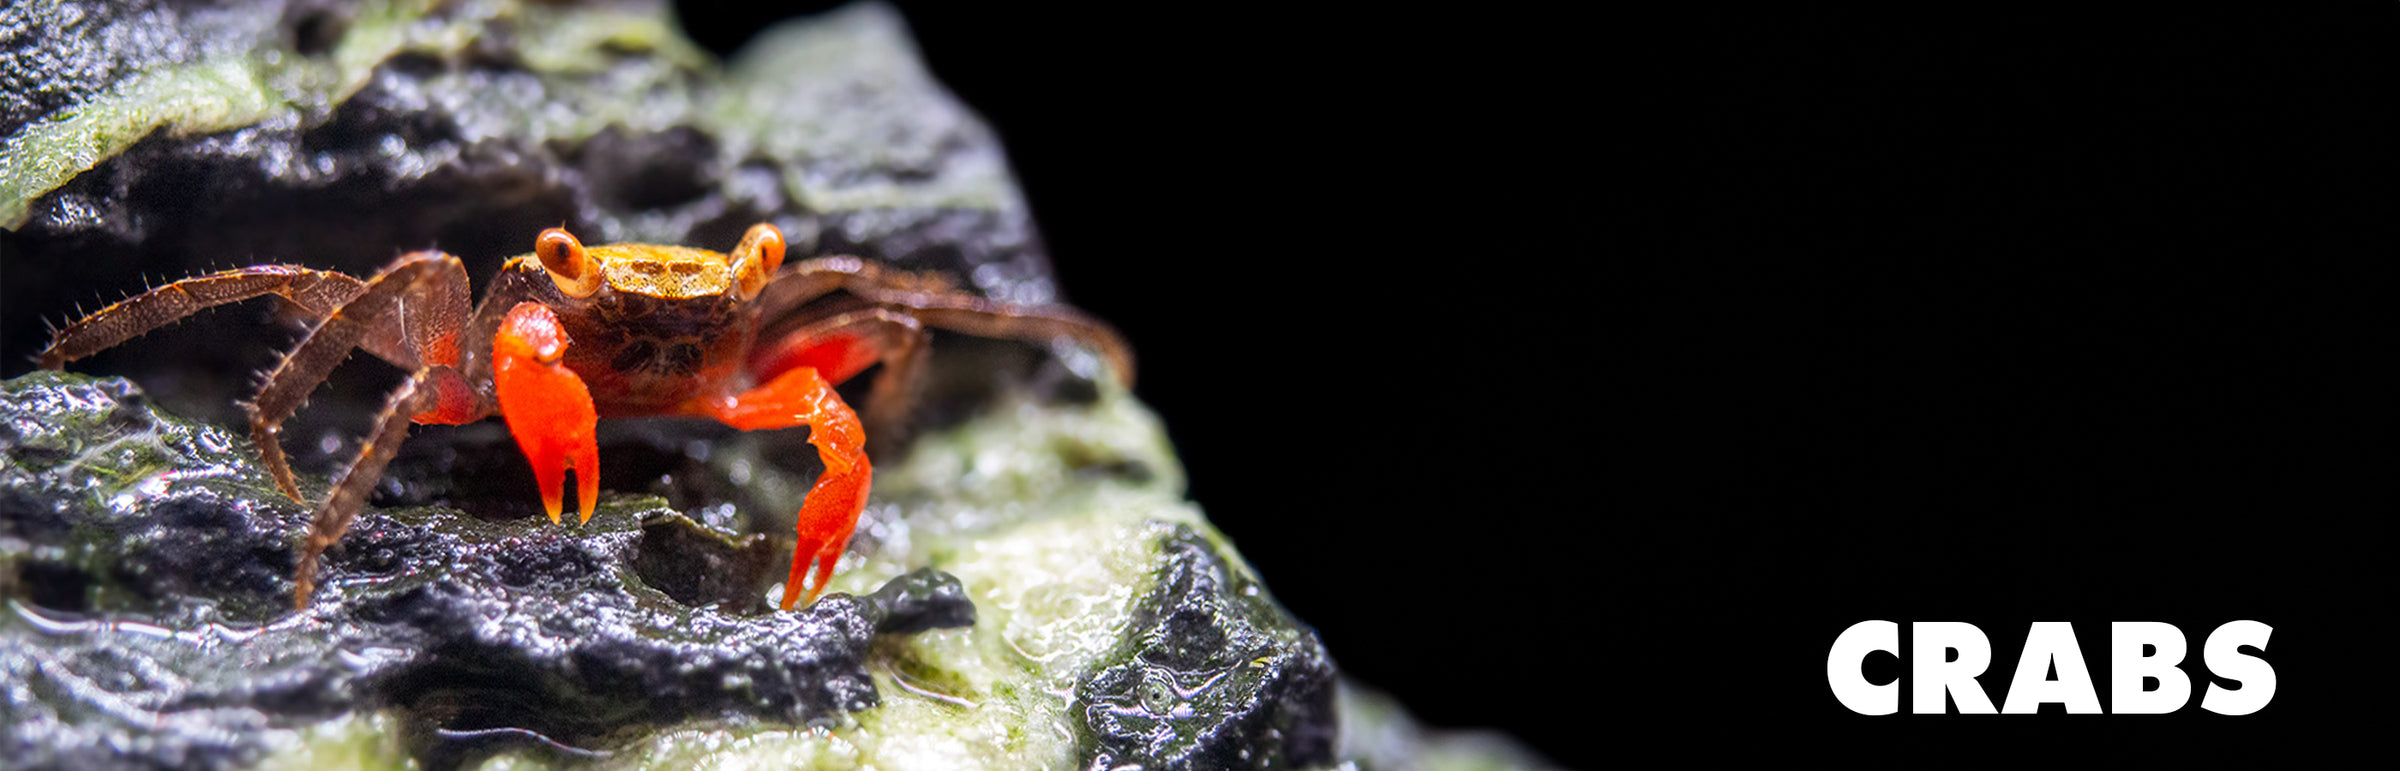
{"points": [[314, 293], [425, 294], [840, 346], [983, 318], [350, 491], [938, 305], [432, 286]]}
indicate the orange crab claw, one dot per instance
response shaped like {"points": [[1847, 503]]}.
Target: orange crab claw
{"points": [[548, 408], [826, 519], [800, 397]]}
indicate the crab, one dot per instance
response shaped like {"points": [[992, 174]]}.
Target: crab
{"points": [[568, 334]]}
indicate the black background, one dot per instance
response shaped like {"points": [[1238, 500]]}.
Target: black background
{"points": [[1585, 378]]}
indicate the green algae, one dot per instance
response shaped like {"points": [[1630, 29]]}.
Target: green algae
{"points": [[626, 67], [221, 91], [366, 741], [208, 96]]}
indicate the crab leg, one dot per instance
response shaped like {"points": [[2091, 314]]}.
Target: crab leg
{"points": [[350, 491], [424, 295], [840, 346], [548, 408], [316, 294], [429, 292], [801, 397], [939, 305]]}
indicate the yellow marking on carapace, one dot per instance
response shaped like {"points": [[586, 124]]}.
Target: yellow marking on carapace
{"points": [[669, 272]]}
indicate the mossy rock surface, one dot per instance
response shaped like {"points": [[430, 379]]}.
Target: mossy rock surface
{"points": [[1029, 590]]}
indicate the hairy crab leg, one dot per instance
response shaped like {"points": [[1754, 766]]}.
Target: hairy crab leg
{"points": [[316, 294], [840, 346], [548, 408], [432, 286], [801, 397], [350, 490], [933, 301], [428, 290]]}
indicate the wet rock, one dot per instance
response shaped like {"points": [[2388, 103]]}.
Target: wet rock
{"points": [[149, 562], [1215, 675], [921, 600], [80, 81], [1028, 589]]}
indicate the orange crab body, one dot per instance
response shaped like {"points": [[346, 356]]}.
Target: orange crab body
{"points": [[568, 335]]}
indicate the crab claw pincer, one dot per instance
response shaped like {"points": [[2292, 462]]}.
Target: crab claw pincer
{"points": [[803, 397], [833, 505], [548, 408]]}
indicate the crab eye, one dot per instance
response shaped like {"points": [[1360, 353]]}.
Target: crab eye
{"points": [[756, 258], [574, 272]]}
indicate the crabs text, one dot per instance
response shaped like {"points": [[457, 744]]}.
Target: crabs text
{"points": [[2144, 678]]}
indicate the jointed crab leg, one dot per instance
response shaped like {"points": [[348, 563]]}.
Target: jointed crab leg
{"points": [[840, 346], [425, 294], [314, 293], [350, 491], [935, 303], [801, 397], [433, 288]]}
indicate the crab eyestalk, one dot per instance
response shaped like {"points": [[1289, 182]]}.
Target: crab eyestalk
{"points": [[755, 259], [575, 272]]}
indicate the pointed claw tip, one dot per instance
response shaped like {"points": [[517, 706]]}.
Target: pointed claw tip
{"points": [[587, 487]]}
